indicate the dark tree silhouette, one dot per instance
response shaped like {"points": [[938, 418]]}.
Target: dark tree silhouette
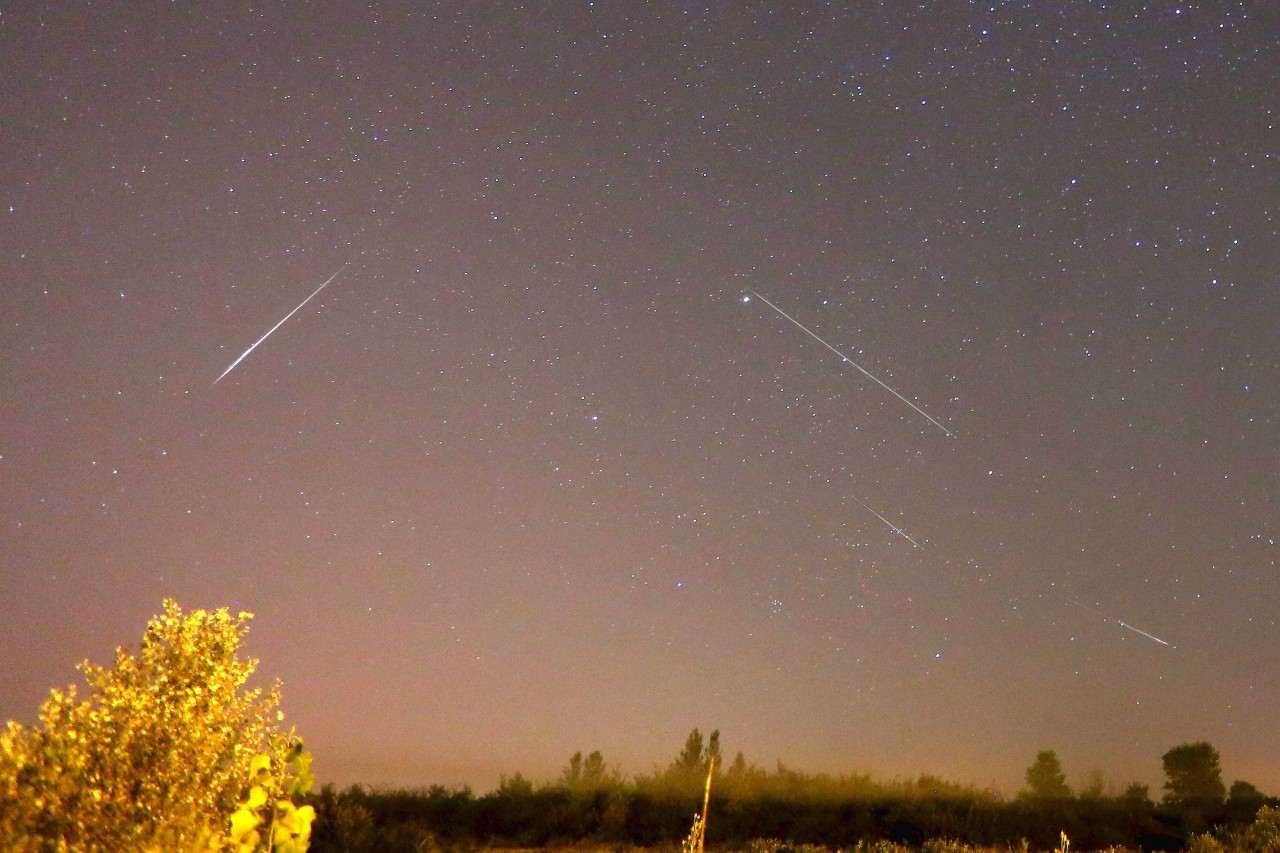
{"points": [[1137, 794], [690, 758], [712, 753], [571, 777], [1194, 792], [1194, 774], [1243, 802], [594, 773], [688, 771], [585, 774], [1045, 779]]}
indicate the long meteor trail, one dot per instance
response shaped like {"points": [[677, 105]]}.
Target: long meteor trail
{"points": [[1106, 618], [278, 325], [895, 528], [848, 360]]}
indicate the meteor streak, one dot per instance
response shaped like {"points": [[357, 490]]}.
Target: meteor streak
{"points": [[895, 528], [278, 325], [1142, 632], [848, 360], [1106, 618]]}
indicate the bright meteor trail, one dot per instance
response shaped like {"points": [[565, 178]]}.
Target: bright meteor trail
{"points": [[850, 361], [1106, 618], [278, 325]]}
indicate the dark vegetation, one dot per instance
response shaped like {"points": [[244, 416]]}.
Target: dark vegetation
{"points": [[170, 752], [591, 804]]}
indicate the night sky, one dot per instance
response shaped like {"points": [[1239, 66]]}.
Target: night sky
{"points": [[541, 470]]}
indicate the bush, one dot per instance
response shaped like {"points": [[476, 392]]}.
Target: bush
{"points": [[166, 749], [1261, 836]]}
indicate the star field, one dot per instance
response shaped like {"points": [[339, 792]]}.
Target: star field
{"points": [[536, 473]]}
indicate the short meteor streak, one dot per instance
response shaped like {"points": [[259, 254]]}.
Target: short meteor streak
{"points": [[1106, 618], [895, 528], [278, 325], [848, 360]]}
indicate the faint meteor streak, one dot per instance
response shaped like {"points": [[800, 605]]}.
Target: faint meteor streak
{"points": [[1106, 618], [895, 528], [278, 325], [848, 360]]}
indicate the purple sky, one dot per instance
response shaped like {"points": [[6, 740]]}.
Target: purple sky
{"points": [[537, 474]]}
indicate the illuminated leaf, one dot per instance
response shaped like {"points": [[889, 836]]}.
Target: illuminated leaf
{"points": [[242, 823]]}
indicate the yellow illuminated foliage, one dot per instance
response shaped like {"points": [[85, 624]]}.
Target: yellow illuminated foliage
{"points": [[169, 752]]}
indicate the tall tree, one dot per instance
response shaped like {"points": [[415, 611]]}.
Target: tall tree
{"points": [[571, 776], [585, 773], [1194, 790], [712, 753], [594, 773], [1045, 779], [1194, 774], [690, 767], [690, 757]]}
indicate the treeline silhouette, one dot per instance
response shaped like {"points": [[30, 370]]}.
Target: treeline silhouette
{"points": [[591, 804]]}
